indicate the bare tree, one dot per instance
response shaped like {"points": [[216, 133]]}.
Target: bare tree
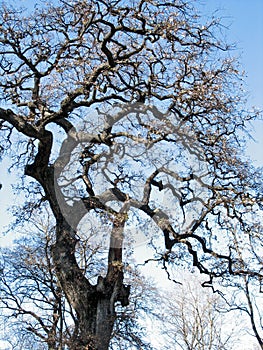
{"points": [[34, 308], [128, 118], [194, 321], [246, 296], [252, 308]]}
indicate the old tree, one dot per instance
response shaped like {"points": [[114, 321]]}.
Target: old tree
{"points": [[129, 120]]}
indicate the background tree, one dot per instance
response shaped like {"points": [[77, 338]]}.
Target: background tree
{"points": [[193, 319], [246, 296], [34, 308], [249, 302], [128, 118]]}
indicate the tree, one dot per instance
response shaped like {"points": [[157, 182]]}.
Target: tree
{"points": [[193, 319], [32, 302], [245, 297], [248, 302], [127, 117]]}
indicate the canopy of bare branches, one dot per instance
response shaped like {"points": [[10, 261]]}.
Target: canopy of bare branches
{"points": [[129, 116]]}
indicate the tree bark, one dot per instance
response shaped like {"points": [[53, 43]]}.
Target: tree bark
{"points": [[94, 304]]}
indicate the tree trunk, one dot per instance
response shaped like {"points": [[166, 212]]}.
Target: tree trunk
{"points": [[94, 304]]}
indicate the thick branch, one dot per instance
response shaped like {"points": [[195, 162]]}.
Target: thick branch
{"points": [[19, 123]]}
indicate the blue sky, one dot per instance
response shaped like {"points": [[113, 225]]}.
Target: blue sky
{"points": [[245, 22], [244, 19]]}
